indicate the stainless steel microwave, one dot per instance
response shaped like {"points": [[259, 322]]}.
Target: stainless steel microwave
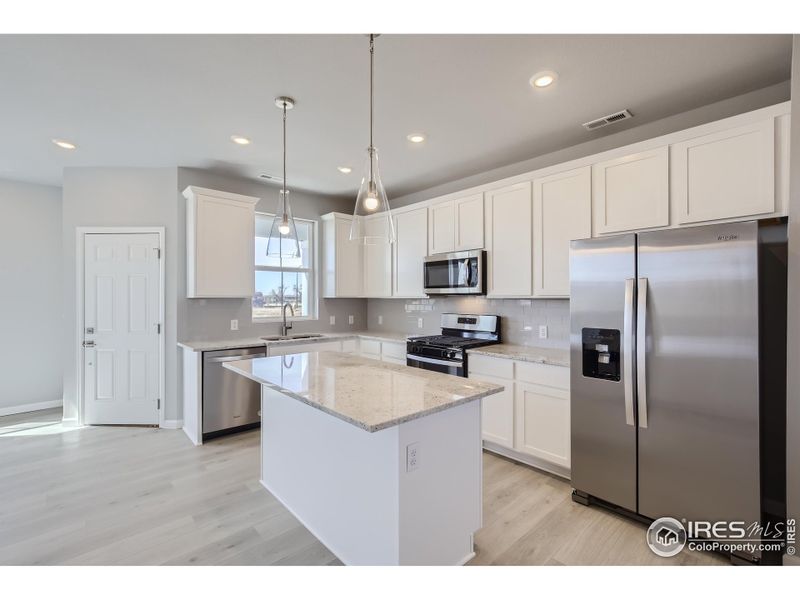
{"points": [[456, 273]]}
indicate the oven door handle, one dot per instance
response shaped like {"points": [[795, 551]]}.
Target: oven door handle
{"points": [[434, 361]]}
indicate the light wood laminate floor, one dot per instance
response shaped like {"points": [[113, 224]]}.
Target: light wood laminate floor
{"points": [[146, 496]]}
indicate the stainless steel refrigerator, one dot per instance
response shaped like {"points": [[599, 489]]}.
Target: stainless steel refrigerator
{"points": [[678, 371]]}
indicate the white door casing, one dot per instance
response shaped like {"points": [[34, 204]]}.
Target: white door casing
{"points": [[121, 315]]}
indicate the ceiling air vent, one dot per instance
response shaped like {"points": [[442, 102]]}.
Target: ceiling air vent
{"points": [[608, 119]]}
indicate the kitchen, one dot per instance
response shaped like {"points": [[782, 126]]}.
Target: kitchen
{"points": [[522, 360]]}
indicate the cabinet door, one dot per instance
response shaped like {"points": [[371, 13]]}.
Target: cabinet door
{"points": [[562, 211], [442, 226], [469, 222], [349, 276], [725, 174], [377, 262], [497, 412], [410, 250], [510, 242], [224, 241], [542, 422], [632, 192]]}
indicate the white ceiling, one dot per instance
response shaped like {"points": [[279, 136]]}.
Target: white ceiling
{"points": [[160, 101]]}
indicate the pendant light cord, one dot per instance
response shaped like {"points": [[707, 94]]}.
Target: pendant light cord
{"points": [[371, 101], [284, 158]]}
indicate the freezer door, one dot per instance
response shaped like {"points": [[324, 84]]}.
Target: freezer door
{"points": [[602, 273], [698, 373]]}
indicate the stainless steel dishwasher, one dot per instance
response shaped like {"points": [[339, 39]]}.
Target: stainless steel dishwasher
{"points": [[230, 402]]}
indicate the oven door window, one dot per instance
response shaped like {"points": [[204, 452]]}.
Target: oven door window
{"points": [[461, 273]]}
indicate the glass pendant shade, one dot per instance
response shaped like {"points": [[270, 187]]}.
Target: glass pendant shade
{"points": [[282, 241], [372, 219]]}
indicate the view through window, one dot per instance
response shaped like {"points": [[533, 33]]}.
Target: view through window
{"points": [[294, 275]]}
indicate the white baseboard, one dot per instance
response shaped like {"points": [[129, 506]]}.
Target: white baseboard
{"points": [[24, 408], [172, 424], [531, 461]]}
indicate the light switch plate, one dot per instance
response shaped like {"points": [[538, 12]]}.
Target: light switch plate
{"points": [[542, 332], [333, 319], [234, 324], [351, 319]]}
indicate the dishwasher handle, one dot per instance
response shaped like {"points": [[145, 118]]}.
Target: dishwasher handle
{"points": [[224, 359]]}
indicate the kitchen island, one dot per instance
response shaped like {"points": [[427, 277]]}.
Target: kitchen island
{"points": [[381, 462]]}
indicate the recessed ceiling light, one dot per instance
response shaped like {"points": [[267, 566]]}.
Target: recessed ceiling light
{"points": [[240, 139], [64, 144], [544, 78], [416, 138], [344, 170]]}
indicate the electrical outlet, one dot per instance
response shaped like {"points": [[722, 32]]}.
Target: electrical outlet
{"points": [[412, 457], [380, 319], [234, 324], [419, 323], [542, 332], [351, 319]]}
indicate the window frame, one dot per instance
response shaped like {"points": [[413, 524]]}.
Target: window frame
{"points": [[311, 277]]}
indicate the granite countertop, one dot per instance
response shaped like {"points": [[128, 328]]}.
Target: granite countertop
{"points": [[207, 346], [367, 393], [548, 356]]}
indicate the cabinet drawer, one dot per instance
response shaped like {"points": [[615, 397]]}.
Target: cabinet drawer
{"points": [[394, 350], [539, 374], [479, 364], [371, 347]]}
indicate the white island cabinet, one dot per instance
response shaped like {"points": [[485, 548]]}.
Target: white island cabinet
{"points": [[381, 462]]}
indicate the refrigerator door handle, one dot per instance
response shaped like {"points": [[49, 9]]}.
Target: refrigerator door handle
{"points": [[641, 351], [627, 350]]}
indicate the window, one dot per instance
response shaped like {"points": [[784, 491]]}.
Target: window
{"points": [[295, 275]]}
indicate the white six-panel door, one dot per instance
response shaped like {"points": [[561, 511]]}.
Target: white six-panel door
{"points": [[121, 316]]}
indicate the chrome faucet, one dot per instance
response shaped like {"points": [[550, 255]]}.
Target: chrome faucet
{"points": [[285, 328]]}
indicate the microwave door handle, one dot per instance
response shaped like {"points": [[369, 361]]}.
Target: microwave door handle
{"points": [[641, 351], [627, 350]]}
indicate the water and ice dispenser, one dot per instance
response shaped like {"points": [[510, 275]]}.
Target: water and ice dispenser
{"points": [[601, 353]]}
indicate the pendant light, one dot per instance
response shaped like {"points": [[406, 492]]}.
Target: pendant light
{"points": [[371, 200], [283, 242]]}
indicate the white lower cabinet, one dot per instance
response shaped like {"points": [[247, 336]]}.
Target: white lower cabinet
{"points": [[497, 412], [530, 419], [542, 422]]}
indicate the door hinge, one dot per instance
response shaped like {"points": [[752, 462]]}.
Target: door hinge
{"points": [[158, 403], [158, 252], [158, 328]]}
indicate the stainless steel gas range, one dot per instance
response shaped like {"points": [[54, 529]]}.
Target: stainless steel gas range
{"points": [[447, 353]]}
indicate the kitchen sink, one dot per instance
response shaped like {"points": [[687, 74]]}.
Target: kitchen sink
{"points": [[297, 336]]}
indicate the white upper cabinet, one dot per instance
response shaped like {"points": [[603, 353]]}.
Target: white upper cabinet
{"points": [[343, 271], [469, 222], [456, 225], [632, 192], [509, 233], [441, 228], [725, 174], [410, 249], [220, 244], [562, 207], [377, 261]]}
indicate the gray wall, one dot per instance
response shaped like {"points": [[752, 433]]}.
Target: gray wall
{"points": [[705, 114], [793, 358], [200, 319], [118, 197], [30, 304], [520, 321]]}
